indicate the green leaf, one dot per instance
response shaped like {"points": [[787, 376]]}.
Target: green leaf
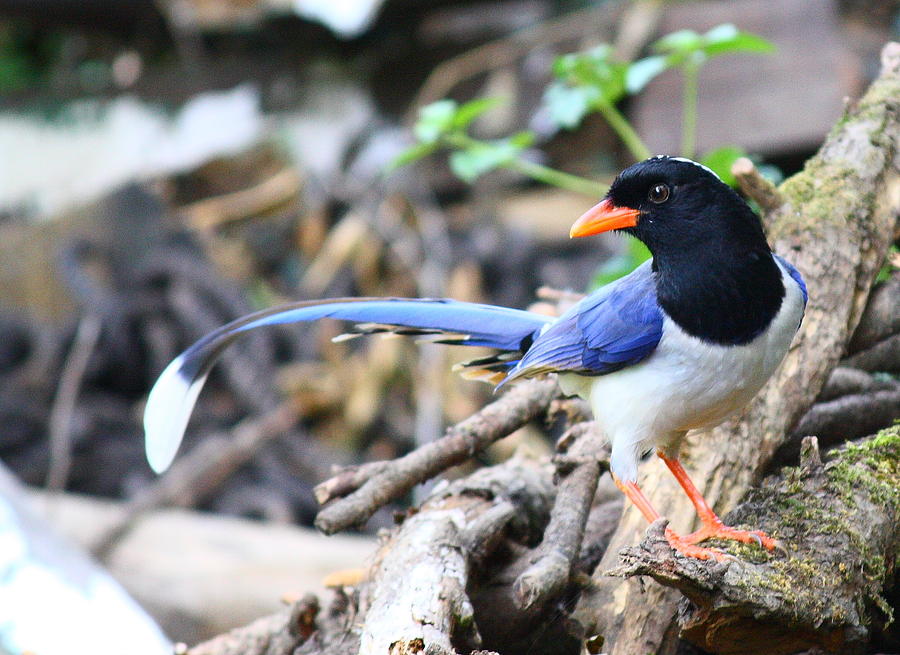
{"points": [[470, 164], [482, 157], [720, 40], [890, 264], [567, 106], [471, 110], [522, 140], [738, 42], [411, 154], [682, 41], [642, 71], [596, 72], [720, 160], [612, 269], [435, 120], [721, 33]]}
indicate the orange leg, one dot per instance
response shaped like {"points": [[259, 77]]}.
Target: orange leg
{"points": [[682, 544], [712, 524]]}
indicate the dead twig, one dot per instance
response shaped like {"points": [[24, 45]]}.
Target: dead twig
{"points": [[278, 634], [456, 529], [517, 407], [86, 338], [850, 417], [210, 213], [584, 456], [343, 241], [883, 356], [846, 381], [755, 186], [881, 318]]}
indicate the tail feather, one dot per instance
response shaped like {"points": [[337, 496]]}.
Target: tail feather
{"points": [[172, 398]]}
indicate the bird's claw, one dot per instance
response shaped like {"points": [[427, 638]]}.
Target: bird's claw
{"points": [[688, 548], [780, 548], [721, 531]]}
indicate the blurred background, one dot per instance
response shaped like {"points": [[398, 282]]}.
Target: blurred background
{"points": [[167, 166]]}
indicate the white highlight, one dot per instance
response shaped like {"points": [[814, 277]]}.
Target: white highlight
{"points": [[690, 161], [166, 416]]}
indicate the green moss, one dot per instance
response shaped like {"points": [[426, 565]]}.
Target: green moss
{"points": [[811, 515], [827, 192], [872, 465], [828, 195]]}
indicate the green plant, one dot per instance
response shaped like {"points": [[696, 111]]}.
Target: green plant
{"points": [[444, 124], [589, 82], [586, 83], [687, 50]]}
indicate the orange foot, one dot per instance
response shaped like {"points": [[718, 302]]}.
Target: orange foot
{"points": [[687, 547], [718, 530]]}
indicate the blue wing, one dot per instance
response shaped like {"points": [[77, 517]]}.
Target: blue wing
{"points": [[795, 275], [172, 398], [615, 327]]}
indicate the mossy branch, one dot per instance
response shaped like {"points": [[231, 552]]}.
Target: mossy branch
{"points": [[838, 523], [835, 225]]}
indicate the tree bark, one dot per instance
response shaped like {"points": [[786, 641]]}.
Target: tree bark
{"points": [[437, 548], [838, 523], [839, 217]]}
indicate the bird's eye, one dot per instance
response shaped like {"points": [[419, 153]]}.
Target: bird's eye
{"points": [[659, 193]]}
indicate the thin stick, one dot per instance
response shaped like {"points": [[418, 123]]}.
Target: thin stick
{"points": [[517, 407], [579, 469], [201, 471], [755, 186], [66, 395]]}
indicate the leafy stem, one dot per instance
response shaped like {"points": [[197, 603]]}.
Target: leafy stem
{"points": [[585, 83], [557, 178], [620, 124], [690, 69], [535, 171]]}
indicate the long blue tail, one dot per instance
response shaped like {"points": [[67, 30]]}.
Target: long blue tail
{"points": [[172, 398]]}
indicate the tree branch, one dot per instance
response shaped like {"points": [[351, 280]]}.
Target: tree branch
{"points": [[837, 521], [584, 456], [380, 483], [435, 549], [835, 227]]}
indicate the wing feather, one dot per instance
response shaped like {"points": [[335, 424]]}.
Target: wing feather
{"points": [[615, 327]]}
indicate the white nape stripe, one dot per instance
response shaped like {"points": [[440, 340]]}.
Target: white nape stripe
{"points": [[690, 161], [166, 416]]}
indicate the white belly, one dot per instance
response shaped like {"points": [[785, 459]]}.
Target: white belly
{"points": [[685, 384]]}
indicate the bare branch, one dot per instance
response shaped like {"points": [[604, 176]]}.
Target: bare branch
{"points": [[585, 456], [838, 524], [201, 471], [518, 406], [755, 186], [417, 600]]}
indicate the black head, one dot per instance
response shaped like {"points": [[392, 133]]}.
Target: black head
{"points": [[716, 276], [675, 205]]}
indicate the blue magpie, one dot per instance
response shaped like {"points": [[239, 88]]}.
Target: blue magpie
{"points": [[683, 342]]}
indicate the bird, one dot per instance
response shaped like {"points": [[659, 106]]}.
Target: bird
{"points": [[683, 342]]}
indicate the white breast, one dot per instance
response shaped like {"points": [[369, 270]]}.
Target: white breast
{"points": [[685, 384]]}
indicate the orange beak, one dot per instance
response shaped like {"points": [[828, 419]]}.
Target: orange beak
{"points": [[602, 217]]}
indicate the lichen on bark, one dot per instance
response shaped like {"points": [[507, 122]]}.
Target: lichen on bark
{"points": [[838, 522]]}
